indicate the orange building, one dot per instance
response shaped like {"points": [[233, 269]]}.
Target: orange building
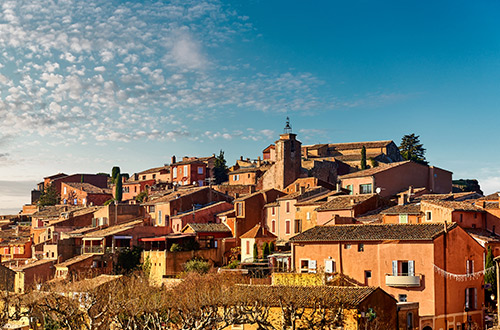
{"points": [[435, 265]]}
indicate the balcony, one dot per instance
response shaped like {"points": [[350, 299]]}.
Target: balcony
{"points": [[403, 280], [93, 249]]}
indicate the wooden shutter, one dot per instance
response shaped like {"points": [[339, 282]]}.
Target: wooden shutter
{"points": [[395, 268], [475, 298], [411, 267]]}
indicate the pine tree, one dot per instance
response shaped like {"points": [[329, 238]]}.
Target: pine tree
{"points": [[412, 149], [49, 196], [363, 158], [118, 188], [220, 169]]}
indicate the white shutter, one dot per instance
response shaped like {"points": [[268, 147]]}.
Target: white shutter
{"points": [[467, 267], [411, 267], [395, 268], [328, 266], [467, 297], [312, 266]]}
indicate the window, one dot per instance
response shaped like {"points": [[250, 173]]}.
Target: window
{"points": [[475, 215], [273, 210], [402, 298], [236, 177], [273, 226], [249, 176], [403, 218], [461, 217], [248, 247], [403, 268], [185, 170], [349, 187], [151, 208], [471, 298], [287, 227], [239, 209], [409, 321], [469, 267], [287, 207], [75, 201], [428, 215], [144, 177], [65, 190], [174, 172], [368, 274], [154, 176], [298, 226], [365, 188], [135, 189], [200, 170], [307, 266], [347, 246], [361, 247]]}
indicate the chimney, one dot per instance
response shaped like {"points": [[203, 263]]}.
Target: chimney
{"points": [[259, 163], [173, 159], [352, 201], [410, 191], [241, 157]]}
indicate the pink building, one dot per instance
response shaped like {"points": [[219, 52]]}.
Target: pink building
{"points": [[390, 179], [435, 265], [205, 214]]}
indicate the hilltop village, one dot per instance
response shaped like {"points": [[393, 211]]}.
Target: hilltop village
{"points": [[395, 232]]}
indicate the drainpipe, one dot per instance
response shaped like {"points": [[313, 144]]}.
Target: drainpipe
{"points": [[445, 281], [341, 266], [497, 260]]}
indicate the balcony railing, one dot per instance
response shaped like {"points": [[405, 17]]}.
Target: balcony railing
{"points": [[403, 280], [93, 249]]}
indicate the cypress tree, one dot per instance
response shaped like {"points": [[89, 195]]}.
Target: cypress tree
{"points": [[363, 158], [271, 247], [255, 252], [265, 249], [490, 277], [118, 188], [115, 171]]}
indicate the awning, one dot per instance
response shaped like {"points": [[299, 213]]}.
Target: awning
{"points": [[153, 239], [122, 237], [93, 238]]}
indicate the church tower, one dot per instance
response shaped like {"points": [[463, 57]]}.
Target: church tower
{"points": [[288, 161]]}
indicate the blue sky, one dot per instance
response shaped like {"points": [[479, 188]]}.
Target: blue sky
{"points": [[86, 85]]}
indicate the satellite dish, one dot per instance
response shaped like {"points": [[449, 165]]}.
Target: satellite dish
{"points": [[378, 190]]}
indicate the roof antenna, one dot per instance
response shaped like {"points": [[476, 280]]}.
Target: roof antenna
{"points": [[288, 128]]}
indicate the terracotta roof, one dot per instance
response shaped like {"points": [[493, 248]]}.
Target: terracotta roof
{"points": [[428, 197], [374, 170], [491, 205], [54, 211], [58, 175], [403, 209], [373, 232], [246, 170], [359, 145], [491, 197], [306, 296], [316, 146], [174, 195], [187, 162], [113, 229], [91, 283], [155, 169], [482, 235], [88, 188], [344, 202], [74, 260], [319, 199], [31, 263], [457, 206], [209, 227], [357, 157], [258, 232]]}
